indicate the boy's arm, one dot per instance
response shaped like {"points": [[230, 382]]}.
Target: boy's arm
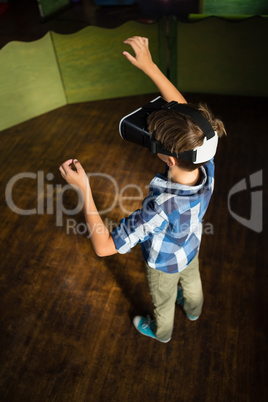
{"points": [[143, 61], [101, 239]]}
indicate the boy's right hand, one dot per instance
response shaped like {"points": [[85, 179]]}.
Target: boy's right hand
{"points": [[76, 178], [143, 59]]}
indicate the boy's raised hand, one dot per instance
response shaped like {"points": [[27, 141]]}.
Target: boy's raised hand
{"points": [[76, 178], [143, 59]]}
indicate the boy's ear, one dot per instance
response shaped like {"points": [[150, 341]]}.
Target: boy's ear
{"points": [[171, 161]]}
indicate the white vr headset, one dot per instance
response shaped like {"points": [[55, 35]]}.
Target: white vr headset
{"points": [[133, 128]]}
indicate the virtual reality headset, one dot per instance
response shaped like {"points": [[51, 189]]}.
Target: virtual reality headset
{"points": [[133, 128]]}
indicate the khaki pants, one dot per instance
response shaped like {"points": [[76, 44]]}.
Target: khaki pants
{"points": [[163, 289]]}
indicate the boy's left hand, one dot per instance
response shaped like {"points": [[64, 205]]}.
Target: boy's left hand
{"points": [[76, 178]]}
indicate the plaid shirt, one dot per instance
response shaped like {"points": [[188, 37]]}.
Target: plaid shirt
{"points": [[169, 225]]}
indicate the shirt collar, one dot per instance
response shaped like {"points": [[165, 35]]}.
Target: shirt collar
{"points": [[161, 183]]}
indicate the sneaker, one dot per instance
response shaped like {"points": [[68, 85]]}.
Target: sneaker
{"points": [[145, 326], [192, 317], [180, 302]]}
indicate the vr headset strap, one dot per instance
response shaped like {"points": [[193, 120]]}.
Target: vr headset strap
{"points": [[156, 148], [183, 108], [194, 115]]}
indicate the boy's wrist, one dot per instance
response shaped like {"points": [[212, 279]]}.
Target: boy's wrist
{"points": [[84, 191], [151, 69]]}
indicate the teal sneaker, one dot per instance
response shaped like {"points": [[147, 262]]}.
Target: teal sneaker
{"points": [[192, 317], [180, 301], [145, 326]]}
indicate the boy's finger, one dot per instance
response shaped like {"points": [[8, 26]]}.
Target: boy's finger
{"points": [[130, 57], [68, 162], [62, 171], [136, 44], [65, 165], [136, 39], [77, 165], [145, 41]]}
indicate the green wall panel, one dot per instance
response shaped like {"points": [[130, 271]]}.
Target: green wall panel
{"points": [[29, 80], [93, 67], [223, 57]]}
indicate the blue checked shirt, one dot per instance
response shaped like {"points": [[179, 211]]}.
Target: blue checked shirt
{"points": [[169, 225]]}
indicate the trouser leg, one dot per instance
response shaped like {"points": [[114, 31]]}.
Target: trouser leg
{"points": [[192, 288], [163, 290]]}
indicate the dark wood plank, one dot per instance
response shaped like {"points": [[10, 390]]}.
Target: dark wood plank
{"points": [[66, 331]]}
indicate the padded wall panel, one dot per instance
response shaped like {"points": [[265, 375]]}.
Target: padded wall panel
{"points": [[223, 57], [93, 67], [29, 80]]}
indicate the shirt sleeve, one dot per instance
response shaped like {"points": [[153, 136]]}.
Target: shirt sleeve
{"points": [[138, 227]]}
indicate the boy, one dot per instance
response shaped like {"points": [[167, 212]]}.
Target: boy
{"points": [[169, 225]]}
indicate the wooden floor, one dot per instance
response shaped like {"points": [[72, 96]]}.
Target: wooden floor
{"points": [[66, 331]]}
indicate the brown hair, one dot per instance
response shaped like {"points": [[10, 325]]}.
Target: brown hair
{"points": [[176, 132]]}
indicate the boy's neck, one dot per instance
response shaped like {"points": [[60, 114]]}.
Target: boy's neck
{"points": [[183, 177]]}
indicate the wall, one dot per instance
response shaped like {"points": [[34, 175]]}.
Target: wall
{"points": [[223, 57], [208, 56]]}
